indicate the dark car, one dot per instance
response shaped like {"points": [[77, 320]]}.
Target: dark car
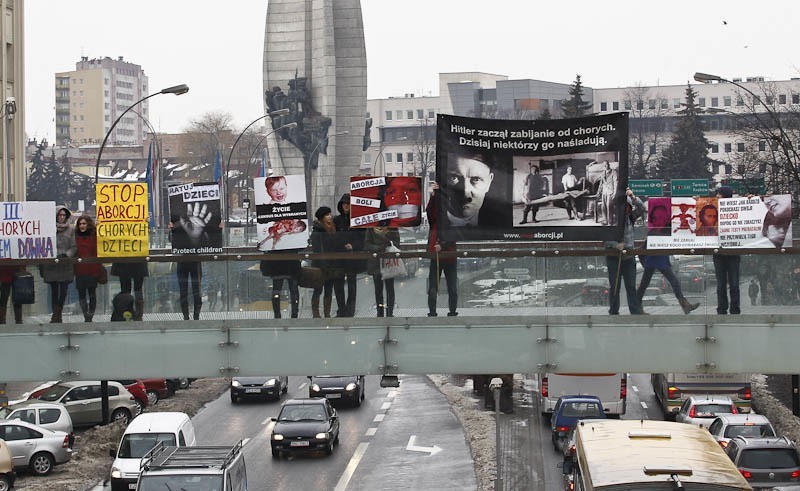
{"points": [[305, 425], [595, 291], [346, 388], [568, 411], [261, 387], [765, 462]]}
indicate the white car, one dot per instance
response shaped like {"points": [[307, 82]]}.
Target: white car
{"points": [[727, 426], [701, 410], [33, 447], [50, 415]]}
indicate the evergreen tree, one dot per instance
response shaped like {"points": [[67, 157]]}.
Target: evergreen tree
{"points": [[575, 106], [50, 180], [686, 157], [545, 115]]}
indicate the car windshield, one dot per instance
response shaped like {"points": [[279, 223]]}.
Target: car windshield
{"points": [[581, 410], [135, 445], [207, 482], [302, 413], [54, 393], [711, 410], [4, 412], [768, 458], [749, 430]]}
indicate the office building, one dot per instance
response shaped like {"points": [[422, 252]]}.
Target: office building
{"points": [[12, 81]]}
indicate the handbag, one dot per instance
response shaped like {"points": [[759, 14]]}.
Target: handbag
{"points": [[392, 267], [311, 277], [102, 275], [22, 289]]}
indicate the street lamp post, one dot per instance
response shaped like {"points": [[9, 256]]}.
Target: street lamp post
{"points": [[9, 109], [176, 89], [383, 145], [308, 160]]}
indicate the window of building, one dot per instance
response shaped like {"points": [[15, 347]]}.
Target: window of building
{"points": [[652, 149], [714, 148], [410, 174], [770, 99], [106, 105], [762, 146], [795, 98], [105, 81], [81, 117], [399, 158], [420, 114], [715, 102], [782, 99], [701, 101], [726, 101], [431, 113], [387, 157], [664, 104], [651, 104], [727, 148], [639, 105], [740, 147], [410, 157], [398, 114], [410, 114], [604, 106], [627, 105], [739, 100], [107, 117], [676, 103], [74, 117], [615, 105], [388, 115]]}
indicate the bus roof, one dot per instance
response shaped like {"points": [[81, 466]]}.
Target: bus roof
{"points": [[616, 453]]}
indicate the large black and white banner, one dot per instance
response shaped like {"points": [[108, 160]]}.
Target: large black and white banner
{"points": [[551, 180], [195, 214]]}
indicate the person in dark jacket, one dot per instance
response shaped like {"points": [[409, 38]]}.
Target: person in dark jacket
{"points": [[377, 240], [86, 274], [280, 271], [60, 275], [325, 239], [439, 265], [187, 271], [353, 240], [7, 274], [726, 270], [662, 264]]}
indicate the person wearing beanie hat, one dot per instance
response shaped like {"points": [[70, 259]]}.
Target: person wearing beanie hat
{"points": [[353, 240], [325, 239], [60, 275], [726, 271]]}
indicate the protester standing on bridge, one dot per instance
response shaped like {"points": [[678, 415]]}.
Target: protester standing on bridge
{"points": [[86, 274], [622, 269], [187, 271], [448, 265], [131, 275], [353, 240], [377, 240], [325, 239], [7, 274], [753, 292], [662, 264], [59, 275], [726, 270]]}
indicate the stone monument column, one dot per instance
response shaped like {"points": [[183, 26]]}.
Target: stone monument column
{"points": [[322, 42]]}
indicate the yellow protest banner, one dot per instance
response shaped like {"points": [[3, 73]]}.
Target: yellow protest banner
{"points": [[122, 220]]}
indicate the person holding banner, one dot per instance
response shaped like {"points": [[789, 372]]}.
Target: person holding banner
{"points": [[726, 270], [187, 271], [622, 268], [449, 265], [60, 275], [280, 271], [377, 240], [86, 274], [353, 240], [325, 239], [7, 274]]}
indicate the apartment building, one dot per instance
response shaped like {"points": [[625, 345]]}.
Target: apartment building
{"points": [[90, 98], [12, 95]]}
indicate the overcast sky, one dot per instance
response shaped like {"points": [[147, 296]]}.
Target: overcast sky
{"points": [[216, 47]]}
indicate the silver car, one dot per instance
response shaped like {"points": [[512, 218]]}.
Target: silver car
{"points": [[83, 402], [50, 415], [33, 447], [701, 410], [727, 426]]}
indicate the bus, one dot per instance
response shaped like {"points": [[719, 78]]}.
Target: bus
{"points": [[641, 454], [610, 388], [671, 389]]}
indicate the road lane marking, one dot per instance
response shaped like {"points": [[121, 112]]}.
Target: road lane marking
{"points": [[644, 404], [391, 394], [301, 386], [371, 431], [351, 467], [385, 406], [378, 418], [266, 421], [244, 442], [635, 389]]}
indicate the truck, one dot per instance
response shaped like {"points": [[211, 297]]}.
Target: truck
{"points": [[671, 389], [610, 388], [199, 467]]}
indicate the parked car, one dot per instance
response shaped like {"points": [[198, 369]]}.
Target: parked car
{"points": [[7, 473], [595, 291], [50, 415], [83, 401], [568, 411], [765, 462], [262, 387], [727, 426], [701, 410], [138, 390], [35, 448], [173, 384], [347, 388], [305, 425], [157, 389]]}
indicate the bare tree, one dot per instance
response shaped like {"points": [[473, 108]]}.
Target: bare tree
{"points": [[424, 147], [208, 134], [647, 134]]}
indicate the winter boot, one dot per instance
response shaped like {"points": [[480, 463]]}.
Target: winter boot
{"points": [[85, 310], [197, 308], [380, 310], [185, 310], [276, 306], [56, 317], [139, 309], [17, 313], [295, 310], [3, 314], [326, 306], [315, 309], [687, 306]]}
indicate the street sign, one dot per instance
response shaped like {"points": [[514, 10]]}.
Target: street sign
{"points": [[523, 277], [647, 187], [515, 271], [689, 187], [748, 185]]}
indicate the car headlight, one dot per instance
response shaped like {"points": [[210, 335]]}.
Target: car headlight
{"points": [[321, 436], [235, 383], [277, 437], [315, 388], [350, 387], [116, 473], [269, 383]]}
